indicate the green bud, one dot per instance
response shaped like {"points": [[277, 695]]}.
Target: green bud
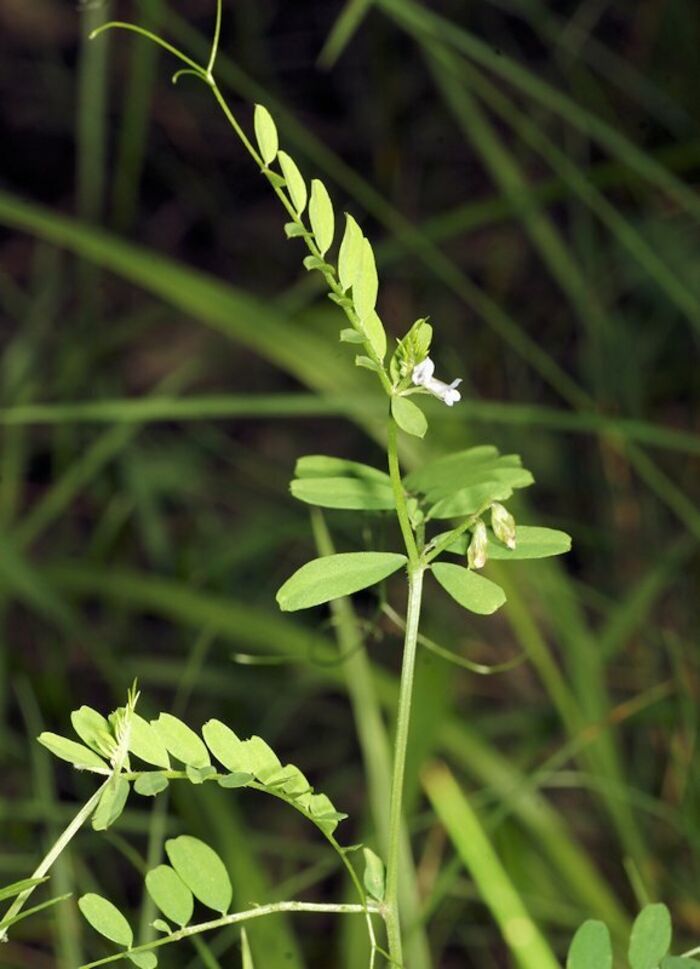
{"points": [[503, 524], [478, 547], [411, 351]]}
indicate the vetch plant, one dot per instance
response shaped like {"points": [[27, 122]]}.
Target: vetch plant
{"points": [[452, 519]]}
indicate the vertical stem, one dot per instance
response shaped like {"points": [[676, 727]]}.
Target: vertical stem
{"points": [[400, 497], [415, 592]]}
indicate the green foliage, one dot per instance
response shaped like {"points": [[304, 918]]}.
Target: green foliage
{"points": [[266, 134], [470, 590], [106, 919], [532, 542], [333, 576], [76, 754], [373, 331], [409, 417], [150, 783], [410, 351], [365, 283], [94, 730], [294, 181], [374, 875], [321, 216], [591, 947], [146, 743], [201, 870], [354, 494], [350, 253], [16, 888], [651, 937], [111, 803], [482, 465], [649, 942], [181, 741], [170, 894]]}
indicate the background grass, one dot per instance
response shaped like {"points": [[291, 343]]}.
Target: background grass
{"points": [[527, 171]]}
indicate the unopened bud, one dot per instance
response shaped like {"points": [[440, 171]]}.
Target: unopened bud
{"points": [[503, 525], [476, 553]]}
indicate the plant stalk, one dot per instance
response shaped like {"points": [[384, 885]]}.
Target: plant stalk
{"points": [[403, 721]]}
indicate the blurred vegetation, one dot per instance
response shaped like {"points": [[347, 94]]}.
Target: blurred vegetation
{"points": [[527, 172]]}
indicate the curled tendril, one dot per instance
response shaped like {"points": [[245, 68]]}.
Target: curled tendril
{"points": [[188, 70]]}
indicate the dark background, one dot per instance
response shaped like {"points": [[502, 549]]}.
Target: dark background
{"points": [[557, 258]]}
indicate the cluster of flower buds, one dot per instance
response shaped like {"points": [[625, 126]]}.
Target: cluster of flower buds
{"points": [[503, 525]]}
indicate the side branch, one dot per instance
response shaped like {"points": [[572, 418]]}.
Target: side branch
{"points": [[233, 919]]}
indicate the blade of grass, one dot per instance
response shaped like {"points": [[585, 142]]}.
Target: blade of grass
{"points": [[524, 939], [151, 409], [421, 22], [83, 470], [343, 30], [134, 122], [573, 40], [520, 194]]}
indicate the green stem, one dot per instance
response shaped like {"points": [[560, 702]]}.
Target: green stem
{"points": [[215, 40], [400, 496], [61, 843], [403, 721], [149, 35], [254, 913]]}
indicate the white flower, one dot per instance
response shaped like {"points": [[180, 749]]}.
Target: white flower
{"points": [[423, 377]]}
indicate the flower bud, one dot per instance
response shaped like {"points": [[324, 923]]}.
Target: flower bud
{"points": [[476, 553], [503, 525]]}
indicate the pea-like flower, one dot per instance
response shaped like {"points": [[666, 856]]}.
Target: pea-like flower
{"points": [[423, 377]]}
